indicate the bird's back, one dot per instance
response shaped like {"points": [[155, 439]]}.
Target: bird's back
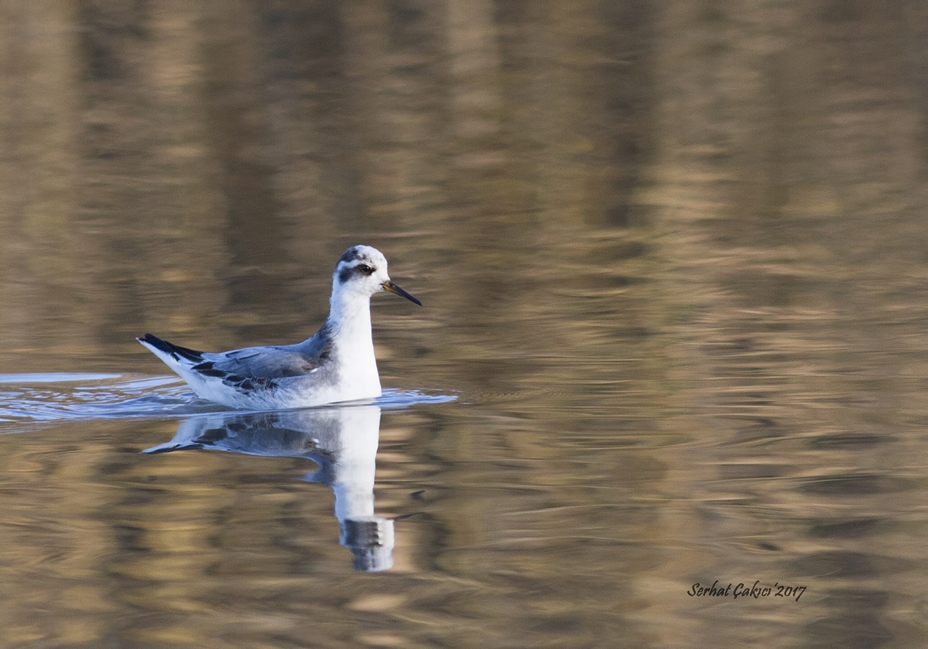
{"points": [[272, 376]]}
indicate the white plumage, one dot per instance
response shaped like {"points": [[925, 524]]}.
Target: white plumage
{"points": [[336, 364]]}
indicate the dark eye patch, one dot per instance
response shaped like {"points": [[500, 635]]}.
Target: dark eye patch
{"points": [[347, 272]]}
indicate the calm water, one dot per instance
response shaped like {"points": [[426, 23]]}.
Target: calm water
{"points": [[673, 261]]}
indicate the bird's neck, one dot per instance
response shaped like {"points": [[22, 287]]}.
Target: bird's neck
{"points": [[350, 324], [353, 346]]}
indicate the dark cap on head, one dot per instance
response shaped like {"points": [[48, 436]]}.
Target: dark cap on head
{"points": [[352, 254]]}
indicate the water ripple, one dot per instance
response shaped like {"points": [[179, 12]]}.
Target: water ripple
{"points": [[29, 399]]}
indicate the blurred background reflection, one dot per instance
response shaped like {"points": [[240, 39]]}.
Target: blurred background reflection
{"points": [[673, 260]]}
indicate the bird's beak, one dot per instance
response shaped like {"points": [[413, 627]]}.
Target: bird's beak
{"points": [[390, 287]]}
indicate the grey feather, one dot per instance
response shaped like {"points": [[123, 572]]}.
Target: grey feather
{"points": [[255, 368]]}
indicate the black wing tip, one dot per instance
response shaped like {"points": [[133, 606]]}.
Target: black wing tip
{"points": [[168, 348], [154, 341]]}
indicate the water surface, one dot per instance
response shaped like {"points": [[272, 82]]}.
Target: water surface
{"points": [[672, 257]]}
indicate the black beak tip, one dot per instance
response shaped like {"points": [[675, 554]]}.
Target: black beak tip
{"points": [[396, 290]]}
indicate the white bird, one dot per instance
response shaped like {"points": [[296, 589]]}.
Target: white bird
{"points": [[336, 364]]}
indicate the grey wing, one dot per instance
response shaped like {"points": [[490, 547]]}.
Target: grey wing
{"points": [[255, 368]]}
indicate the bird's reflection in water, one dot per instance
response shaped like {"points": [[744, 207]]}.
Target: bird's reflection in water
{"points": [[341, 440]]}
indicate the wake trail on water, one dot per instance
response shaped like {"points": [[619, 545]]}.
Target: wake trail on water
{"points": [[58, 397]]}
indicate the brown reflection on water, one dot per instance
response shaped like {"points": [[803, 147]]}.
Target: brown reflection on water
{"points": [[672, 257]]}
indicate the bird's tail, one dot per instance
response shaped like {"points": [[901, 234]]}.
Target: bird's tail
{"points": [[174, 351]]}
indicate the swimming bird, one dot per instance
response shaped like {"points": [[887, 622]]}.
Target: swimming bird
{"points": [[336, 364]]}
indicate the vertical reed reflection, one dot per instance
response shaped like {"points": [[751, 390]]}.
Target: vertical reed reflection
{"points": [[672, 252]]}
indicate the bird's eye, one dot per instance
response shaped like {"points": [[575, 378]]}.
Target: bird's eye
{"points": [[367, 270]]}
